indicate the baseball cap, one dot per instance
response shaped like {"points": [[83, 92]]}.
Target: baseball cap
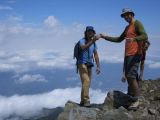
{"points": [[90, 28]]}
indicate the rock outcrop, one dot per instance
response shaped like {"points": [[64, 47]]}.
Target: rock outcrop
{"points": [[115, 106]]}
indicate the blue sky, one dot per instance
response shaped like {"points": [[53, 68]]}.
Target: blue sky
{"points": [[104, 15], [36, 49], [97, 12]]}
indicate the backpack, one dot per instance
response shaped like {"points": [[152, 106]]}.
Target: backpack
{"points": [[145, 44], [76, 50], [76, 53]]}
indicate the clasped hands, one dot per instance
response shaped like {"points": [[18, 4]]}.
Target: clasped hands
{"points": [[98, 36]]}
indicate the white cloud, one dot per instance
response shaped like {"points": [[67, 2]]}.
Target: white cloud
{"points": [[51, 21], [32, 60], [15, 18], [31, 78], [60, 61], [5, 7], [11, 1], [28, 105], [112, 56], [72, 78], [35, 43], [113, 59], [25, 61], [154, 65], [55, 37], [8, 67]]}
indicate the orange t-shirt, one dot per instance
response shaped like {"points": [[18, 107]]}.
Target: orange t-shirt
{"points": [[132, 48]]}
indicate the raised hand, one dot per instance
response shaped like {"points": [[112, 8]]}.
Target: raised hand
{"points": [[102, 35], [97, 37]]}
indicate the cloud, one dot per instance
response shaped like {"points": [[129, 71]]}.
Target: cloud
{"points": [[15, 18], [154, 65], [11, 1], [29, 105], [5, 7], [109, 55], [60, 61], [52, 35], [51, 21], [26, 61], [50, 45], [72, 78], [31, 78], [22, 62], [8, 67], [113, 59]]}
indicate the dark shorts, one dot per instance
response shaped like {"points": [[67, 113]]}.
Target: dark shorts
{"points": [[131, 64]]}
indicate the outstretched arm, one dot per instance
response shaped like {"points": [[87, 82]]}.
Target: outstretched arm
{"points": [[114, 39]]}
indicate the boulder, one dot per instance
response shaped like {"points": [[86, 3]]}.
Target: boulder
{"points": [[115, 106]]}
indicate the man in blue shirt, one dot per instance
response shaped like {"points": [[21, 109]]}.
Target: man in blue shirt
{"points": [[88, 49]]}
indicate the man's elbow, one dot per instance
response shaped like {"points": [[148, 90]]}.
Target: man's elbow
{"points": [[145, 36]]}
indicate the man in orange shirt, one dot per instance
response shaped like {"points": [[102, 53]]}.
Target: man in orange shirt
{"points": [[134, 35]]}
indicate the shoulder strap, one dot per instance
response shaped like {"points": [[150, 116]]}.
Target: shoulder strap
{"points": [[94, 48]]}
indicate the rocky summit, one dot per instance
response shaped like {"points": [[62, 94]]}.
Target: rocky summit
{"points": [[115, 106]]}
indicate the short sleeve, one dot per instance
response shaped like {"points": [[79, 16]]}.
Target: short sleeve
{"points": [[82, 42]]}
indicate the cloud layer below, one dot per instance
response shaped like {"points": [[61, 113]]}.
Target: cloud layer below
{"points": [[29, 105]]}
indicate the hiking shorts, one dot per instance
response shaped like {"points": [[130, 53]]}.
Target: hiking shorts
{"points": [[131, 64]]}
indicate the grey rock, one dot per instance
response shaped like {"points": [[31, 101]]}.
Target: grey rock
{"points": [[73, 111], [117, 114], [114, 107], [152, 111], [115, 99]]}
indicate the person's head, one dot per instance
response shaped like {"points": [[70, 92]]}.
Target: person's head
{"points": [[89, 32], [127, 14]]}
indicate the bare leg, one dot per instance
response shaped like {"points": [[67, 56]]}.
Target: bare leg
{"points": [[133, 87], [141, 70]]}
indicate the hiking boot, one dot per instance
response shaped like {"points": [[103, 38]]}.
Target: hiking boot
{"points": [[87, 104], [134, 105], [132, 99], [81, 103]]}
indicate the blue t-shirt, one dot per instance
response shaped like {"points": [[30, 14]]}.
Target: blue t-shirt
{"points": [[87, 54]]}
